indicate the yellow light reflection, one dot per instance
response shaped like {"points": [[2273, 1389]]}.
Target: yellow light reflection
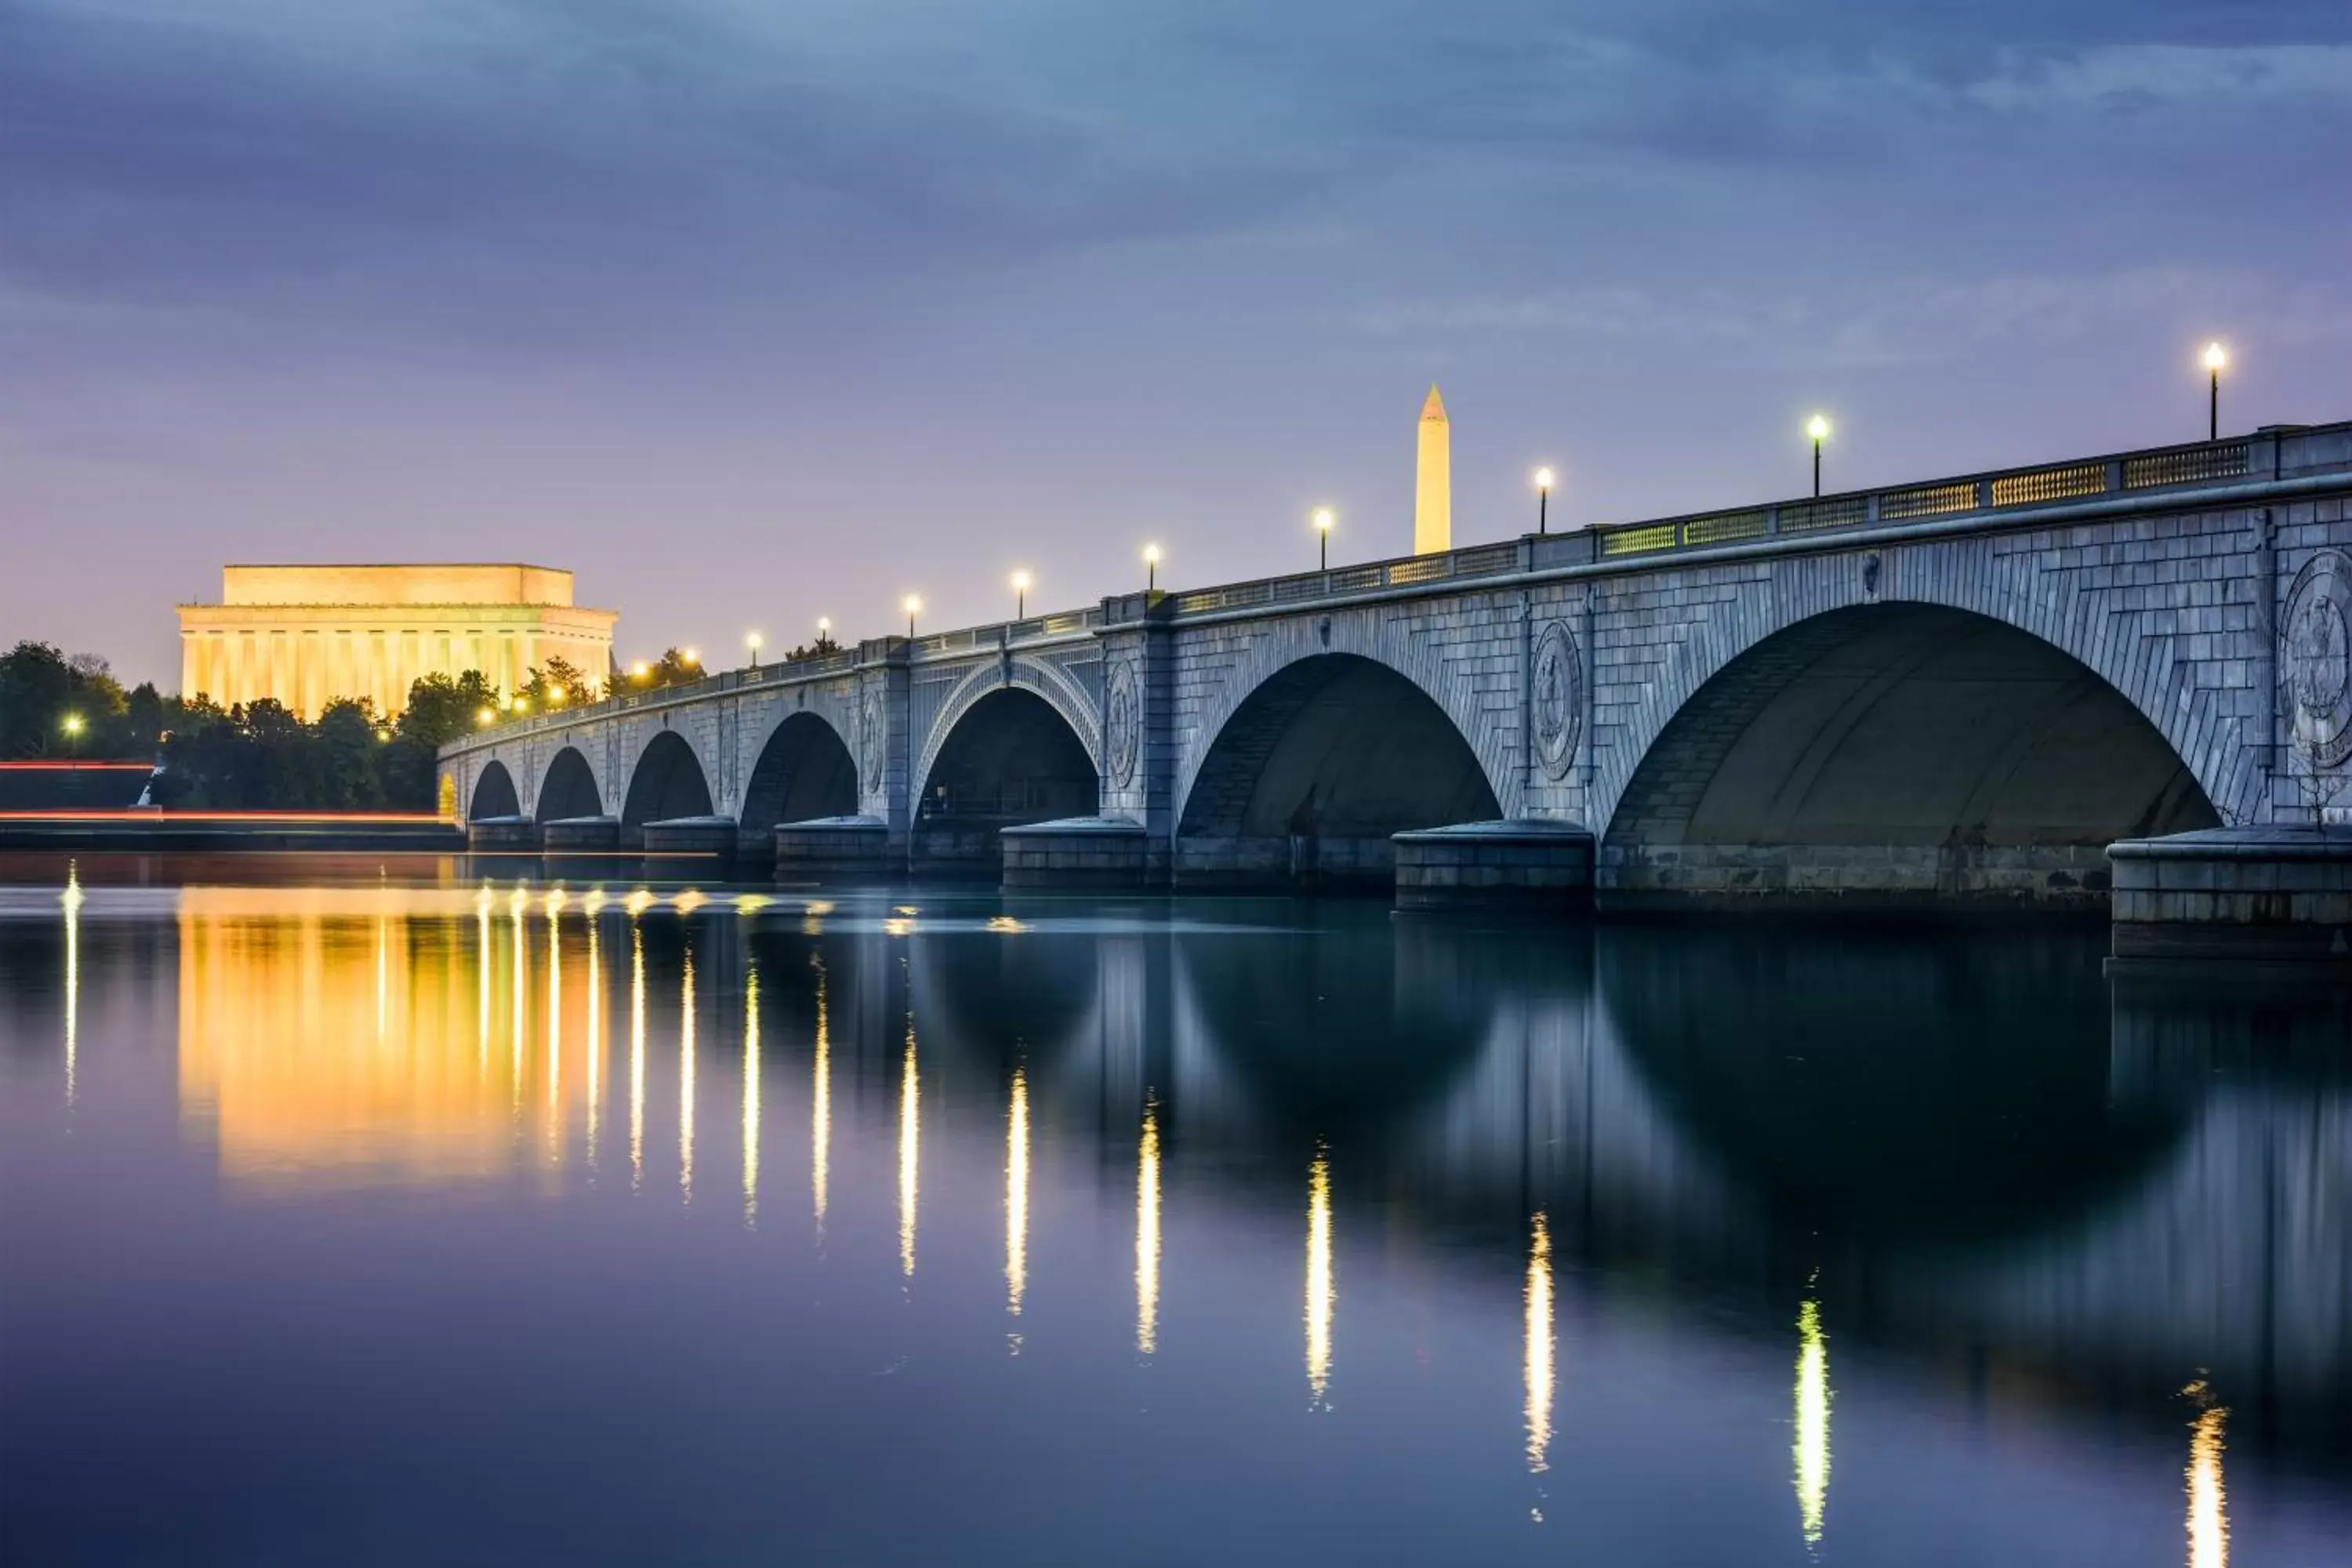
{"points": [[751, 1097], [1005, 925], [820, 1098], [515, 907], [1540, 1348], [1016, 1193], [638, 903], [1147, 1231], [1812, 1440], [595, 1029], [685, 1084], [752, 903], [482, 904], [382, 978], [895, 926], [554, 1027], [688, 901], [72, 899], [1319, 1279], [2209, 1517], [637, 1056], [910, 1125], [280, 1068]]}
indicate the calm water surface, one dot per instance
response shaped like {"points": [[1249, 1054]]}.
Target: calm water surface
{"points": [[355, 1222]]}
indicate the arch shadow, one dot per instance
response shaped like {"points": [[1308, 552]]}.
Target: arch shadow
{"points": [[668, 782], [1316, 768], [803, 770], [570, 789], [1012, 758], [1895, 754], [494, 794]]}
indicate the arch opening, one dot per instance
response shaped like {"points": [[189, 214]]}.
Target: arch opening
{"points": [[1315, 770], [804, 771], [570, 790], [494, 794], [1895, 754], [1010, 759], [667, 784]]}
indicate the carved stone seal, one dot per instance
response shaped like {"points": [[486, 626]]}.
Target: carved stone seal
{"points": [[2318, 661], [1555, 699], [869, 742], [1122, 728]]}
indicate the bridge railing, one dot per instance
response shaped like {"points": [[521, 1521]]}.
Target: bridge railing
{"points": [[1471, 561], [1997, 492]]}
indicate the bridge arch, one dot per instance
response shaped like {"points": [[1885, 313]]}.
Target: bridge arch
{"points": [[569, 789], [493, 793], [1903, 748], [666, 783], [1314, 769], [803, 769], [1002, 755]]}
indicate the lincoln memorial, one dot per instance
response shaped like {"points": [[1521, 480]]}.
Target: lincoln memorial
{"points": [[307, 635]]}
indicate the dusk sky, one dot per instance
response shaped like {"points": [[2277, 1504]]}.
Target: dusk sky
{"points": [[751, 311]]}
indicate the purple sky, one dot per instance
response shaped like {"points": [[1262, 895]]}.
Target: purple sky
{"points": [[749, 312]]}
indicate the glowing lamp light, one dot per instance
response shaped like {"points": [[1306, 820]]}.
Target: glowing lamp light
{"points": [[1818, 428], [74, 724], [1150, 568], [1020, 581], [1323, 519], [1543, 478], [754, 641], [913, 606], [825, 626], [484, 718], [2217, 358], [640, 671], [556, 694], [692, 656]]}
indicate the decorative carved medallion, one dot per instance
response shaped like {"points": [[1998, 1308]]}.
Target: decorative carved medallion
{"points": [[1122, 736], [1555, 699], [869, 743], [2318, 662]]}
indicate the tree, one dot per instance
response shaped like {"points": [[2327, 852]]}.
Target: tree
{"points": [[672, 668], [53, 706], [560, 680], [439, 710]]}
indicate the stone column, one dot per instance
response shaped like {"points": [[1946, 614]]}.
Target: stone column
{"points": [[884, 737], [1138, 774]]}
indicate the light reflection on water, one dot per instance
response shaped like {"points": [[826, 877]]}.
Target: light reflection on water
{"points": [[2029, 1217]]}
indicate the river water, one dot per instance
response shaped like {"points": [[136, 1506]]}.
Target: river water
{"points": [[362, 1221]]}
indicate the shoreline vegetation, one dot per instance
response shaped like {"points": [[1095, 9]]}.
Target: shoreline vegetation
{"points": [[263, 756]]}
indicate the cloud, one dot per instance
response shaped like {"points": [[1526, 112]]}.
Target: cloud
{"points": [[1914, 320]]}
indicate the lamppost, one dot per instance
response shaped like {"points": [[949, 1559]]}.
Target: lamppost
{"points": [[2216, 357], [1323, 517], [753, 640], [637, 674], [1543, 499], [913, 606], [824, 632], [1150, 568], [1819, 429], [73, 725], [1021, 595], [484, 718], [692, 656]]}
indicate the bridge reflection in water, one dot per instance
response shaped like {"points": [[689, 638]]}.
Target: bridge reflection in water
{"points": [[2143, 1188]]}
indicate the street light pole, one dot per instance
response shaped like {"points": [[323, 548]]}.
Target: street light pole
{"points": [[1323, 519], [1544, 477], [1150, 568], [2216, 356], [1819, 429], [913, 606], [1021, 595]]}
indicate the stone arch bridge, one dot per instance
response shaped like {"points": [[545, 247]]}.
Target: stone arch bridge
{"points": [[1957, 689]]}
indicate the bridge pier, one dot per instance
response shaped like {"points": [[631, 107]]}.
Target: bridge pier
{"points": [[577, 835], [1529, 863], [2269, 896], [501, 834], [690, 843], [1076, 852], [832, 847]]}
